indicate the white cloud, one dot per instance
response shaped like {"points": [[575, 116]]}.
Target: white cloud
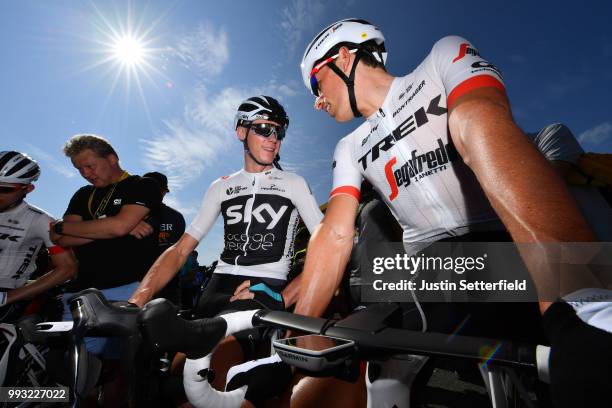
{"points": [[187, 209], [298, 18], [205, 51], [49, 161], [202, 135], [596, 135]]}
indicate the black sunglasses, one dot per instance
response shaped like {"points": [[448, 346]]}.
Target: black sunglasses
{"points": [[266, 130]]}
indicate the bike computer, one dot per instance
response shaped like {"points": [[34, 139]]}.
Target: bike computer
{"points": [[313, 352]]}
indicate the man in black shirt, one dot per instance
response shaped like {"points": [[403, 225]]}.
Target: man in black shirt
{"points": [[171, 227], [171, 222], [106, 223]]}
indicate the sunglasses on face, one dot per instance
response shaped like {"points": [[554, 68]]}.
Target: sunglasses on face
{"points": [[314, 84], [267, 129], [10, 189]]}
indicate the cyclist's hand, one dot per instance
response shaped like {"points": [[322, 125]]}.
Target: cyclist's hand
{"points": [[141, 230], [243, 291]]}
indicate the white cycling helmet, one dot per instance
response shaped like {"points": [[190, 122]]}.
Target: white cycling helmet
{"points": [[17, 167], [351, 30]]}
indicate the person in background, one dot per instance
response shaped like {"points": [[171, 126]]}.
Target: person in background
{"points": [[171, 227]]}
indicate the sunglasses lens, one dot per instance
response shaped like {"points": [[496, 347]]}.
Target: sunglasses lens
{"points": [[314, 85], [7, 190], [266, 130]]}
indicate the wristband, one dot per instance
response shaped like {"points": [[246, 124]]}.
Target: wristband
{"points": [[3, 297], [58, 227]]}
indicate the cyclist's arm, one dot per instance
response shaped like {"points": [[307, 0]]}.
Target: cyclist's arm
{"points": [[529, 197], [292, 290], [110, 227], [65, 268], [164, 269], [306, 204], [173, 258], [68, 241], [328, 252]]}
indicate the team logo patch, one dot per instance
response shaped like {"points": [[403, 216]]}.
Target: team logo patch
{"points": [[234, 190], [465, 49]]}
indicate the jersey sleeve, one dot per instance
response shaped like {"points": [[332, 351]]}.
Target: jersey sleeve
{"points": [[305, 203], [41, 229], [346, 177], [556, 142], [462, 69], [207, 214]]}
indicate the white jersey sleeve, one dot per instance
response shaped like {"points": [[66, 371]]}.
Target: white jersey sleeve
{"points": [[305, 203], [461, 68], [40, 228], [208, 213], [346, 177]]}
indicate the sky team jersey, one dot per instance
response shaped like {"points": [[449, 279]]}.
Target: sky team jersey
{"points": [[261, 213], [24, 230], [405, 151]]}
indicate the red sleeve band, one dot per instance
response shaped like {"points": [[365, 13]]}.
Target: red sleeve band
{"points": [[350, 190], [54, 250], [480, 81]]}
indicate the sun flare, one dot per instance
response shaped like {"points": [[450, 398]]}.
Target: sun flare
{"points": [[129, 51]]}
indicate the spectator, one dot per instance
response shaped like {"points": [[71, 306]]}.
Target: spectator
{"points": [[171, 227]]}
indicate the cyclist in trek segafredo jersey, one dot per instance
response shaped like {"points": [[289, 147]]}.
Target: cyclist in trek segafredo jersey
{"points": [[24, 231], [405, 151], [260, 216]]}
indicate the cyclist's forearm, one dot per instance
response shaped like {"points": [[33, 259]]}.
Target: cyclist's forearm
{"points": [[51, 279], [158, 276], [68, 241], [327, 255]]}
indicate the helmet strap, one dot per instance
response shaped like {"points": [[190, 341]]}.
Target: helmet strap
{"points": [[350, 82]]}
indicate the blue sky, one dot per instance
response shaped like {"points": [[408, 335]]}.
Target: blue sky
{"points": [[175, 113]]}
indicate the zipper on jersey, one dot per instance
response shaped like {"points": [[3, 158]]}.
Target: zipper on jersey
{"points": [[255, 186]]}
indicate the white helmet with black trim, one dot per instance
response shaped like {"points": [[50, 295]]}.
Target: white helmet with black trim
{"points": [[350, 30], [260, 107], [18, 168]]}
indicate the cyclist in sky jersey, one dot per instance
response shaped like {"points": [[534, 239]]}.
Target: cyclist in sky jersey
{"points": [[24, 231], [440, 147], [261, 206]]}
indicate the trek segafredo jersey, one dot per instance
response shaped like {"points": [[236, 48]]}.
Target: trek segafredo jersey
{"points": [[405, 151], [24, 231], [261, 213]]}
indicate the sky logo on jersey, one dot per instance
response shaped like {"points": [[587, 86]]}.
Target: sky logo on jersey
{"points": [[465, 49], [419, 166], [413, 122], [234, 213]]}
